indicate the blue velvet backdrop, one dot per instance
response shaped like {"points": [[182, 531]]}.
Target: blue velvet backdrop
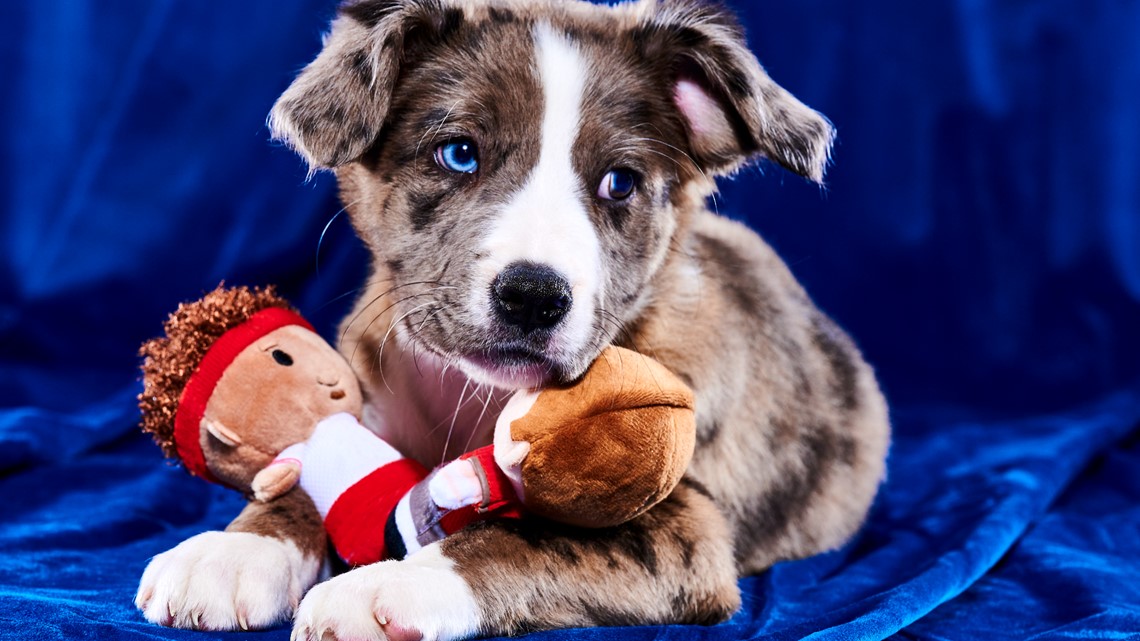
{"points": [[980, 237]]}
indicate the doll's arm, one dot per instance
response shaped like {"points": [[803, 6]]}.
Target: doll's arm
{"points": [[451, 497]]}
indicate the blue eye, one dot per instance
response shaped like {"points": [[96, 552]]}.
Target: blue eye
{"points": [[459, 156], [618, 184]]}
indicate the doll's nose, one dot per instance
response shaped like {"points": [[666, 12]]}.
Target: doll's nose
{"points": [[328, 381]]}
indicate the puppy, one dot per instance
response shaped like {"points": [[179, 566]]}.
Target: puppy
{"points": [[531, 179]]}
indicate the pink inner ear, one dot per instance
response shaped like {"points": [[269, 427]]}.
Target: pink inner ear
{"points": [[705, 115]]}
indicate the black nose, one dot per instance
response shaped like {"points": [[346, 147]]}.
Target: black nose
{"points": [[530, 296]]}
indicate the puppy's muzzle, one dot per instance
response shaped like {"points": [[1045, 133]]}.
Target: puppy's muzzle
{"points": [[530, 296]]}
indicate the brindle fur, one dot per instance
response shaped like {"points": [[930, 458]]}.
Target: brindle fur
{"points": [[792, 428], [290, 517]]}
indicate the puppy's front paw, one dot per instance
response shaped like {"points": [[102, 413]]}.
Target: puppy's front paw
{"points": [[421, 597], [225, 581]]}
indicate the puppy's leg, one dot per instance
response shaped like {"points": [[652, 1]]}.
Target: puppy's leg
{"points": [[250, 576], [673, 564]]}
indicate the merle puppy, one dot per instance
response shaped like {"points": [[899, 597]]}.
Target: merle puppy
{"points": [[531, 177]]}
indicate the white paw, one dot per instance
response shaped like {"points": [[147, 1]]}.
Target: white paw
{"points": [[419, 597], [225, 581]]}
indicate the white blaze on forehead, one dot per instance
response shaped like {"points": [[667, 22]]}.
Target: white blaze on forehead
{"points": [[546, 222]]}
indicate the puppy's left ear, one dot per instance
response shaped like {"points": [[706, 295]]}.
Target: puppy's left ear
{"points": [[336, 107], [732, 109]]}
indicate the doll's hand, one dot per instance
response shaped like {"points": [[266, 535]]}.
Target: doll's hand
{"points": [[275, 480], [279, 476], [456, 485]]}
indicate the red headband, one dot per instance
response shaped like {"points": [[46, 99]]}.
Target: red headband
{"points": [[192, 404]]}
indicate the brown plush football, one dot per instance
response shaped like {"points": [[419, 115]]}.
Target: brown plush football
{"points": [[610, 446]]}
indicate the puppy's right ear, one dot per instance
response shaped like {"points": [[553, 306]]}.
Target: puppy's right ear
{"points": [[334, 110]]}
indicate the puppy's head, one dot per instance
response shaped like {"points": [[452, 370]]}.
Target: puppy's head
{"points": [[518, 169]]}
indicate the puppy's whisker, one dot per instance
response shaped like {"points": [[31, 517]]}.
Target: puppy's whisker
{"points": [[429, 316], [376, 299], [355, 290], [434, 132], [416, 357], [375, 318], [454, 416], [675, 148], [696, 165], [665, 156], [443, 374], [465, 403], [482, 413], [412, 334], [386, 309], [395, 323], [321, 240]]}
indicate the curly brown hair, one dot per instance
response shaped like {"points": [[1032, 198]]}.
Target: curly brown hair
{"points": [[169, 361]]}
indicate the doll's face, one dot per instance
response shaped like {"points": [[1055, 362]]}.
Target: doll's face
{"points": [[273, 395]]}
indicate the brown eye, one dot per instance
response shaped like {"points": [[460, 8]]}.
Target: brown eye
{"points": [[282, 358]]}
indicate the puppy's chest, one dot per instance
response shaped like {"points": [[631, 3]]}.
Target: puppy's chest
{"points": [[432, 415]]}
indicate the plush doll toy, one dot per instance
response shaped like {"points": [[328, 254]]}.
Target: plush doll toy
{"points": [[244, 393]]}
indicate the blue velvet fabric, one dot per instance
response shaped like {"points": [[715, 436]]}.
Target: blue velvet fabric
{"points": [[980, 237]]}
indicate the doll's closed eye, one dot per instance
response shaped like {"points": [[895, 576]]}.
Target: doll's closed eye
{"points": [[282, 358]]}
